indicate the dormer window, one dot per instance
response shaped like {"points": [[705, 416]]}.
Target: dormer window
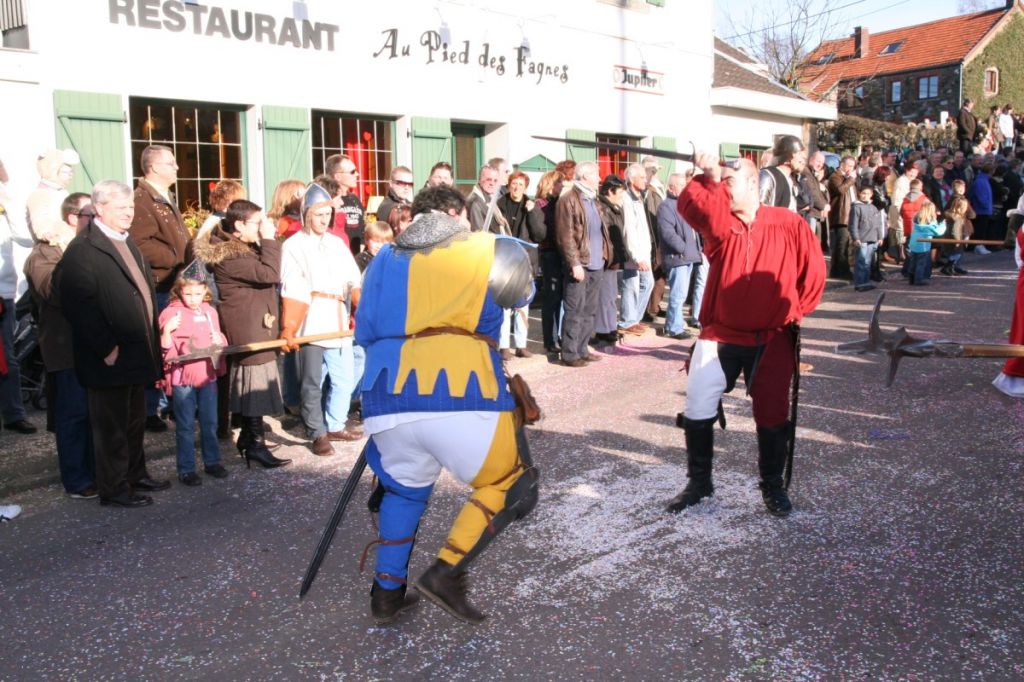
{"points": [[892, 48], [825, 59]]}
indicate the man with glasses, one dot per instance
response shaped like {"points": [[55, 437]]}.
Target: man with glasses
{"points": [[399, 193], [350, 214], [106, 293], [160, 233], [69, 398]]}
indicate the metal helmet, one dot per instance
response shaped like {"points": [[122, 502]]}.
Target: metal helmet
{"points": [[315, 197], [787, 146]]}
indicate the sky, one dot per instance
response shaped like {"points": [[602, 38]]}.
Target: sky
{"points": [[875, 15]]}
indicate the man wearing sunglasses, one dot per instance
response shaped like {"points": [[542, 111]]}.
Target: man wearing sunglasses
{"points": [[399, 193]]}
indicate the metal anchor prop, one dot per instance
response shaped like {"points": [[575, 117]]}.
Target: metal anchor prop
{"points": [[898, 344], [213, 352]]}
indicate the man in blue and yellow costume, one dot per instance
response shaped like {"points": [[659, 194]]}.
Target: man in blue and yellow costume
{"points": [[435, 395]]}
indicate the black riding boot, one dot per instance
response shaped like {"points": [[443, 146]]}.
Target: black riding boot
{"points": [[255, 446], [772, 445], [700, 440]]}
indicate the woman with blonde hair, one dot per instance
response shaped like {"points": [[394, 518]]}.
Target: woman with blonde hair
{"points": [[284, 207], [919, 253], [221, 197]]}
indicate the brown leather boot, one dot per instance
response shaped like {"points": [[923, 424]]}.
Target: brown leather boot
{"points": [[445, 587], [385, 605]]}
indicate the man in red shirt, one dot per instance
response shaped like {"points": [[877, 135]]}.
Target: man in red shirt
{"points": [[766, 274]]}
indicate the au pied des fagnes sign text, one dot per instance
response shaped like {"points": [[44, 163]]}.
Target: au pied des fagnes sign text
{"points": [[516, 62], [633, 79]]}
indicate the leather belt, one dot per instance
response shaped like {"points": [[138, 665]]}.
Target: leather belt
{"points": [[322, 294], [458, 331]]}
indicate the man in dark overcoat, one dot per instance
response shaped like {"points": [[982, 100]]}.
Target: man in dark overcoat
{"points": [[106, 292]]}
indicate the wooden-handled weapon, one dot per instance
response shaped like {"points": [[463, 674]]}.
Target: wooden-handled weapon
{"points": [[967, 242], [213, 352], [898, 344]]}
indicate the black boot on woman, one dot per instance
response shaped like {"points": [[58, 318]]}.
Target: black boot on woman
{"points": [[253, 447]]}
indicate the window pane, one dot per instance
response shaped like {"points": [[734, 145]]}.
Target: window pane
{"points": [[209, 161], [139, 113], [332, 132], [465, 157], [349, 132], [231, 127], [188, 160], [184, 124], [209, 126], [318, 131], [137, 148], [158, 127], [188, 194], [231, 156]]}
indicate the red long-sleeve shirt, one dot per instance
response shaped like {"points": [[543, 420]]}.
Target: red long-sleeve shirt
{"points": [[763, 276]]}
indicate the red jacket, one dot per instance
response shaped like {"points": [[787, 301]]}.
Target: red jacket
{"points": [[909, 209], [762, 277]]}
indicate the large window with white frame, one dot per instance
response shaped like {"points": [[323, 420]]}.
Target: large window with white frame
{"points": [[367, 140], [206, 139]]}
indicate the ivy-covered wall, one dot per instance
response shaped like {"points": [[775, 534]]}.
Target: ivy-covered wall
{"points": [[1005, 52]]}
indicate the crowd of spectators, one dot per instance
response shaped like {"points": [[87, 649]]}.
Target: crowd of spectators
{"points": [[119, 285]]}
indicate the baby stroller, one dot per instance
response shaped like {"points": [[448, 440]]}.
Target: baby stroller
{"points": [[27, 354]]}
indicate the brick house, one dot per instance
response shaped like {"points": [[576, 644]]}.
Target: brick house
{"points": [[923, 71]]}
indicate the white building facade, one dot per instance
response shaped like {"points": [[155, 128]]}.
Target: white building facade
{"points": [[264, 90]]}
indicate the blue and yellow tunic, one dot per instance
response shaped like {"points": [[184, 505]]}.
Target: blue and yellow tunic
{"points": [[406, 292]]}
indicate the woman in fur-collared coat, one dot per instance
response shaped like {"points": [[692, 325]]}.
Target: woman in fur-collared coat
{"points": [[246, 263]]}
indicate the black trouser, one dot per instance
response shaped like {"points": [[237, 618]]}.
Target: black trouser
{"points": [[966, 146], [551, 301], [580, 300], [118, 419], [841, 253]]}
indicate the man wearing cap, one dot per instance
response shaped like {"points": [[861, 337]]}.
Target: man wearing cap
{"points": [[319, 279], [160, 233], [780, 182]]}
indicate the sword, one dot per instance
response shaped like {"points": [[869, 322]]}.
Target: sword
{"points": [[650, 151], [214, 351], [332, 525]]}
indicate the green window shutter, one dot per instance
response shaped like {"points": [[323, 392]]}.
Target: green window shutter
{"points": [[431, 143], [287, 151], [729, 150], [576, 153], [93, 125], [665, 144]]}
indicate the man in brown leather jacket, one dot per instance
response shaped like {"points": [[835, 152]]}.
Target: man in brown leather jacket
{"points": [[161, 236], [585, 248]]}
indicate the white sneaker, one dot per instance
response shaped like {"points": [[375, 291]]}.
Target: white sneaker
{"points": [[9, 511], [980, 248]]}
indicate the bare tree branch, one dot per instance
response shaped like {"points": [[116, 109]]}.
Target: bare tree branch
{"points": [[781, 38]]}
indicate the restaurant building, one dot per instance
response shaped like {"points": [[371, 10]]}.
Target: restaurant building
{"points": [[264, 90]]}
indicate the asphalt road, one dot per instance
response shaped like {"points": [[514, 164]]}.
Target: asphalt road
{"points": [[903, 561]]}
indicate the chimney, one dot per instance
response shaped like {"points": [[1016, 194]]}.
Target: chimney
{"points": [[861, 42]]}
